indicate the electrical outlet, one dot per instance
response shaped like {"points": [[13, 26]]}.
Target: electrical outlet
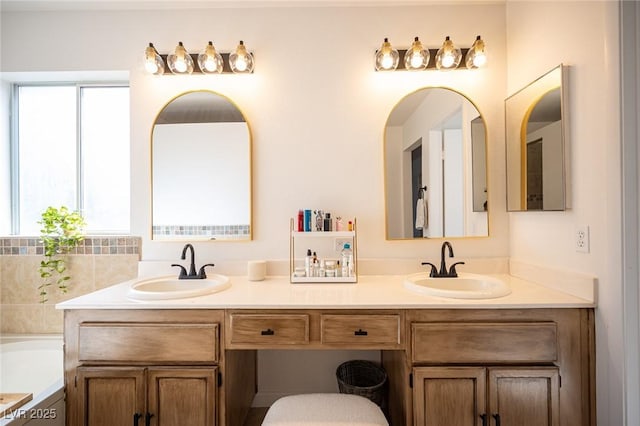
{"points": [[340, 242], [582, 239]]}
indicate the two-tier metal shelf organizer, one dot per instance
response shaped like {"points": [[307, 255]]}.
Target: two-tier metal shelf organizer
{"points": [[327, 241]]}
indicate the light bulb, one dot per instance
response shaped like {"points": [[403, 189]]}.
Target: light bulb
{"points": [[180, 65], [417, 61], [209, 60], [153, 63], [448, 56], [386, 57], [387, 61], [151, 67], [417, 57], [477, 55], [447, 60], [241, 61], [180, 61]]}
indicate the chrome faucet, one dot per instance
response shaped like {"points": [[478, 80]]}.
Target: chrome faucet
{"points": [[442, 273], [192, 275]]}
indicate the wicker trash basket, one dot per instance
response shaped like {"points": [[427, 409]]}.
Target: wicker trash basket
{"points": [[363, 378]]}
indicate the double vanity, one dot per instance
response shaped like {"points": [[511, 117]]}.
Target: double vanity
{"points": [[524, 358]]}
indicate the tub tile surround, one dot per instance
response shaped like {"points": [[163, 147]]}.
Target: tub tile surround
{"points": [[98, 263]]}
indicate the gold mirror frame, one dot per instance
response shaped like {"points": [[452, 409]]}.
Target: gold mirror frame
{"points": [[186, 236], [469, 203]]}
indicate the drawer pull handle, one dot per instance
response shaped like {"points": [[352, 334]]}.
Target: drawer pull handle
{"points": [[136, 418], [484, 419], [497, 417], [147, 419], [360, 332], [267, 332]]}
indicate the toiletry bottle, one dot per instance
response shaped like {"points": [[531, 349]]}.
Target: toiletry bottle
{"points": [[346, 257], [327, 222], [322, 269], [300, 221], [338, 223], [307, 263], [350, 226], [307, 220]]}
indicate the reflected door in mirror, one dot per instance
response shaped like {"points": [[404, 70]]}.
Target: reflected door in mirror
{"points": [[447, 132]]}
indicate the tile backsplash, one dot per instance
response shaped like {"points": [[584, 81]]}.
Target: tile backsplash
{"points": [[20, 246], [99, 262]]}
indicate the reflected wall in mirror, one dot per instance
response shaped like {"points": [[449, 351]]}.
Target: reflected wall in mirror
{"points": [[435, 160], [201, 170], [536, 145]]}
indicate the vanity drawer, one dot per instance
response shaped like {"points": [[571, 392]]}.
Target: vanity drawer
{"points": [[269, 329], [363, 330], [484, 342], [148, 342]]}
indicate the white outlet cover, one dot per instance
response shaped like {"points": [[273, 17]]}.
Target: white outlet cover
{"points": [[582, 239]]}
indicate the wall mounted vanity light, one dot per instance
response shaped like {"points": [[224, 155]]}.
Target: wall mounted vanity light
{"points": [[208, 61], [476, 56], [387, 57], [241, 61], [180, 62], [448, 56], [417, 57], [153, 63]]}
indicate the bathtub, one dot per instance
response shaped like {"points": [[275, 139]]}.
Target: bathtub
{"points": [[33, 364]]}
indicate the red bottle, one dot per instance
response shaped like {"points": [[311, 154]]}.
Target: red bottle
{"points": [[300, 221]]}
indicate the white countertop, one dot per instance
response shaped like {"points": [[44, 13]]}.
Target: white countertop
{"points": [[370, 292]]}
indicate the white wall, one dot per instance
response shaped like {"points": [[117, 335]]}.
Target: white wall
{"points": [[584, 36]]}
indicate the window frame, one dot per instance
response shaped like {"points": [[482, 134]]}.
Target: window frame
{"points": [[14, 146]]}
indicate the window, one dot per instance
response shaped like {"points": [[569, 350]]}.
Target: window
{"points": [[71, 147]]}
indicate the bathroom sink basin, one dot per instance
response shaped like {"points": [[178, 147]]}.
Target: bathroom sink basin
{"points": [[170, 287], [465, 286]]}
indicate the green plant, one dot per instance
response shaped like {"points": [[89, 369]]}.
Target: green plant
{"points": [[61, 232]]}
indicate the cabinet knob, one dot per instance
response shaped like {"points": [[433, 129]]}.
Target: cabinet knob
{"points": [[267, 332], [360, 332]]}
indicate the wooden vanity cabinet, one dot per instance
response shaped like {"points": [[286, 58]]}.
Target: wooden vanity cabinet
{"points": [[162, 396], [477, 396], [147, 367], [528, 367], [446, 367]]}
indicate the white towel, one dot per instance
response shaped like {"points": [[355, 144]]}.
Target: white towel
{"points": [[422, 216]]}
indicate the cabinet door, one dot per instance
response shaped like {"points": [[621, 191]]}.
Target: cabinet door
{"points": [[524, 396], [111, 395], [183, 396], [449, 396]]}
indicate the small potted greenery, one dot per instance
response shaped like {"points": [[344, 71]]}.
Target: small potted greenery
{"points": [[61, 232]]}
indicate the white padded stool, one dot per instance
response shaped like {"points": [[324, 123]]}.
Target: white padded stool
{"points": [[322, 409]]}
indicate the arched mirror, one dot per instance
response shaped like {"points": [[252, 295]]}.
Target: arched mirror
{"points": [[536, 143], [435, 160], [201, 170]]}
